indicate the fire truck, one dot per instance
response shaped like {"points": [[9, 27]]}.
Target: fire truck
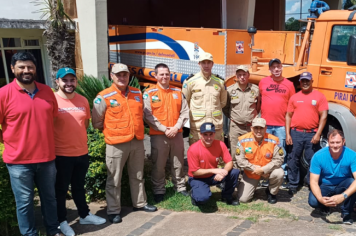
{"points": [[326, 47]]}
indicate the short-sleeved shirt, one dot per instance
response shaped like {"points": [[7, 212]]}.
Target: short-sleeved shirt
{"points": [[27, 124], [241, 105], [200, 157], [275, 97], [70, 134], [333, 172], [307, 105]]}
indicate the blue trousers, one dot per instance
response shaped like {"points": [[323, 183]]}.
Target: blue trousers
{"points": [[201, 186], [331, 190], [23, 178], [301, 141], [280, 133]]}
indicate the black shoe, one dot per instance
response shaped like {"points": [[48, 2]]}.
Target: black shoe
{"points": [[115, 218], [147, 208], [285, 184], [230, 201], [325, 211], [221, 186], [184, 193], [158, 198], [346, 219], [194, 203], [272, 199], [292, 191], [265, 183]]}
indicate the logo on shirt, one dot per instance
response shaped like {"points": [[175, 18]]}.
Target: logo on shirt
{"points": [[248, 150], [70, 109], [175, 96], [138, 99], [275, 88], [114, 103], [268, 155], [313, 102], [155, 99], [217, 159], [201, 160], [216, 87]]}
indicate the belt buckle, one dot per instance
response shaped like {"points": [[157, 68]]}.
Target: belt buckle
{"points": [[304, 131]]}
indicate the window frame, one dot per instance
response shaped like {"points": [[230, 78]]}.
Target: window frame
{"points": [[331, 39]]}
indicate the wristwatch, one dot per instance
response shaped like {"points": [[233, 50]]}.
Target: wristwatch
{"points": [[345, 195]]}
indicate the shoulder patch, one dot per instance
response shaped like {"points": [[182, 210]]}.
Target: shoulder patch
{"points": [[97, 100], [135, 91], [145, 96], [238, 151], [109, 94], [152, 90], [185, 85], [280, 151]]}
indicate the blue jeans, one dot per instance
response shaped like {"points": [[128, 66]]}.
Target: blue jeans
{"points": [[331, 190], [23, 178], [201, 186], [280, 132]]}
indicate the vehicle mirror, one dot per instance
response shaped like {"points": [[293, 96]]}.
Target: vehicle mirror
{"points": [[351, 49]]}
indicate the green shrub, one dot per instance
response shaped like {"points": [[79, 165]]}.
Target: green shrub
{"points": [[8, 219]]}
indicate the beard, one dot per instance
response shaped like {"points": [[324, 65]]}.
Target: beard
{"points": [[63, 89], [27, 78]]}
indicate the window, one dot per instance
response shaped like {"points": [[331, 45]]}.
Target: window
{"points": [[295, 10], [339, 40]]}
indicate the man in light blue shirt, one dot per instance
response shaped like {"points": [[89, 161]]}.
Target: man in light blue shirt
{"points": [[332, 177]]}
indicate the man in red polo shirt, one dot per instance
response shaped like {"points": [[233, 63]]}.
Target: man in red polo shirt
{"points": [[305, 120], [27, 111]]}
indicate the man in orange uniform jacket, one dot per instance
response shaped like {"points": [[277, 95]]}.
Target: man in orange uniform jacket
{"points": [[166, 111], [117, 111], [260, 155]]}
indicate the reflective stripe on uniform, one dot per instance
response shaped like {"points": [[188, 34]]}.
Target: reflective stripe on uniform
{"points": [[270, 140], [134, 91], [192, 80], [198, 114], [152, 90], [246, 140], [109, 94], [216, 79], [216, 113]]}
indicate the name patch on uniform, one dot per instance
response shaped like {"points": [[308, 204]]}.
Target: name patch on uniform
{"points": [[196, 90], [248, 150], [109, 94], [216, 87], [97, 100], [175, 96], [138, 99], [134, 91], [313, 102], [145, 96], [234, 97], [114, 103]]}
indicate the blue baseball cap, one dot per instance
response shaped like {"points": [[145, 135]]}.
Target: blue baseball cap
{"points": [[207, 127], [306, 75], [65, 71]]}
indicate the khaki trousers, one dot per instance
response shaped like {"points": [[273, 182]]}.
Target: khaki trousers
{"points": [[195, 135], [235, 132], [248, 186], [163, 149], [117, 155]]}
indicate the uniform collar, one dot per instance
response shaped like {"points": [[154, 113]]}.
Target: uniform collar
{"points": [[15, 85], [119, 91], [249, 85]]}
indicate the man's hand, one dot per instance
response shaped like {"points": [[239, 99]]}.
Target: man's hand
{"points": [[289, 140], [221, 172], [171, 132], [334, 200], [218, 177], [258, 171], [315, 139]]}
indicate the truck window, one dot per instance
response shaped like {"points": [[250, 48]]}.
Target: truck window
{"points": [[339, 39]]}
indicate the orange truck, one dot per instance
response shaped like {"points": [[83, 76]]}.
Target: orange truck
{"points": [[326, 47]]}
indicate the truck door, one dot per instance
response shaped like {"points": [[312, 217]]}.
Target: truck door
{"points": [[337, 80]]}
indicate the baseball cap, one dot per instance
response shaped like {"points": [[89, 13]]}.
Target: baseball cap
{"points": [[206, 56], [305, 75], [207, 127], [274, 60], [242, 67], [260, 122], [65, 71], [119, 67]]}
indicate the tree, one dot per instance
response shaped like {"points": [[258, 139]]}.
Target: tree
{"points": [[292, 24], [60, 42]]}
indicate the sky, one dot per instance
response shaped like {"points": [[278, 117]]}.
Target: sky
{"points": [[293, 7], [19, 9]]}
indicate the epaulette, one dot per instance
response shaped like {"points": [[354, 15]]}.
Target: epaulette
{"points": [[218, 76], [190, 76]]}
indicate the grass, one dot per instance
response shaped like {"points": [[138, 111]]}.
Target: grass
{"points": [[335, 227]]}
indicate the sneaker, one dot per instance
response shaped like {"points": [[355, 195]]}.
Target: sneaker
{"points": [[91, 219], [272, 199], [346, 219], [115, 218], [221, 186], [158, 198], [285, 184], [230, 201], [66, 229], [292, 191], [265, 183]]}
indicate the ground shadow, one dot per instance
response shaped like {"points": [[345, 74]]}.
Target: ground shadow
{"points": [[282, 195]]}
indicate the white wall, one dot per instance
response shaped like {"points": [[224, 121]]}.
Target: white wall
{"points": [[19, 9], [92, 20], [240, 13]]}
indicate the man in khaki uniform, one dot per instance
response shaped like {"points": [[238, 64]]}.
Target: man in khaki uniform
{"points": [[206, 96], [243, 105], [166, 111], [260, 155], [118, 112]]}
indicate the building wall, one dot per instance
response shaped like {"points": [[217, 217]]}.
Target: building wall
{"points": [[240, 13], [269, 15]]}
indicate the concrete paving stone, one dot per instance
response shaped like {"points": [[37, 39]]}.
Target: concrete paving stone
{"points": [[237, 229], [306, 218], [233, 234], [245, 224], [350, 230], [138, 231], [157, 219], [147, 225], [166, 213]]}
